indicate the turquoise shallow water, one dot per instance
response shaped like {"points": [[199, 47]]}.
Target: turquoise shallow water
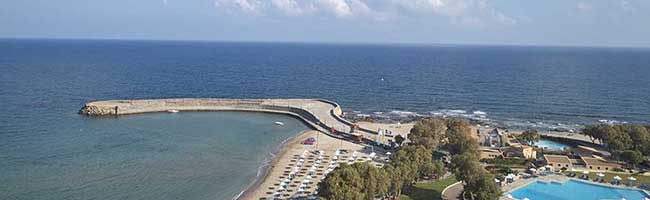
{"points": [[572, 190], [550, 144], [186, 155]]}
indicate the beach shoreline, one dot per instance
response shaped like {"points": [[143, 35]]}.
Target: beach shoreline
{"points": [[321, 116], [265, 170]]}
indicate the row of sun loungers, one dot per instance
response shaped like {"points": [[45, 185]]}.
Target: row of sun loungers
{"points": [[310, 166]]}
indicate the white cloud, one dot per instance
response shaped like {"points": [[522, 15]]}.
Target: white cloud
{"points": [[339, 8], [584, 7], [246, 6], [463, 12], [289, 7]]}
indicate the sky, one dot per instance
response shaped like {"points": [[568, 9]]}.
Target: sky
{"points": [[494, 22]]}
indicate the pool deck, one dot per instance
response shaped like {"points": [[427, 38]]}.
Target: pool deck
{"points": [[557, 179]]}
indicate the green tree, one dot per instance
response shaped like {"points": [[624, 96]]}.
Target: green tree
{"points": [[466, 167], [343, 183], [399, 139], [483, 188], [632, 157], [616, 138], [529, 136], [594, 132], [459, 138], [640, 137], [433, 169], [429, 132], [359, 181]]}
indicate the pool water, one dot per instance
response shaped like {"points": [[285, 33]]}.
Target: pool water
{"points": [[547, 144], [573, 189]]}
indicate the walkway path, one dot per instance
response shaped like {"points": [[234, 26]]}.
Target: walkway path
{"points": [[453, 191]]}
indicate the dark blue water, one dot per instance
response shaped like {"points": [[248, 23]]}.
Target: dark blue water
{"points": [[44, 82]]}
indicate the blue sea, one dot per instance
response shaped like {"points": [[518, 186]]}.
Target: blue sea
{"points": [[48, 151]]}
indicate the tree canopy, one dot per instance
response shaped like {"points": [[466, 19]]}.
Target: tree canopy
{"points": [[479, 183], [428, 132], [359, 181], [412, 162], [399, 139], [364, 181], [624, 140], [529, 136]]}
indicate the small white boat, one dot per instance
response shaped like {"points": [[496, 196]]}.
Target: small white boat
{"points": [[279, 123], [172, 111]]}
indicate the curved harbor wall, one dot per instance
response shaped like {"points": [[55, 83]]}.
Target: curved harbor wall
{"points": [[308, 110]]}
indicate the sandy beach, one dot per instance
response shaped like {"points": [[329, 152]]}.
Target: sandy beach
{"points": [[286, 161]]}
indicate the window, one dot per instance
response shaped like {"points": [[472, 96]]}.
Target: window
{"points": [[567, 165], [598, 167], [590, 167], [559, 165]]}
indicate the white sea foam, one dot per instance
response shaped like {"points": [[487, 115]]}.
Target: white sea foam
{"points": [[482, 117], [478, 112]]}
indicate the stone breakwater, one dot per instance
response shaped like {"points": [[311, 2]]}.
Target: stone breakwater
{"points": [[320, 114]]}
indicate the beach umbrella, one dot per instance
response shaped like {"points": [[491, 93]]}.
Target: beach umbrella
{"points": [[497, 180], [617, 178], [388, 153], [585, 172], [631, 178], [600, 174], [510, 176], [533, 169]]}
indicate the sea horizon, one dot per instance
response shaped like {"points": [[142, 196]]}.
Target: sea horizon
{"points": [[45, 82], [340, 43]]}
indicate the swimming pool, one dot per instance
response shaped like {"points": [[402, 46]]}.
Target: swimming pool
{"points": [[573, 189], [547, 144]]}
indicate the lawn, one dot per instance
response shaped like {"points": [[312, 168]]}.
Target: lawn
{"points": [[428, 190], [609, 176]]}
